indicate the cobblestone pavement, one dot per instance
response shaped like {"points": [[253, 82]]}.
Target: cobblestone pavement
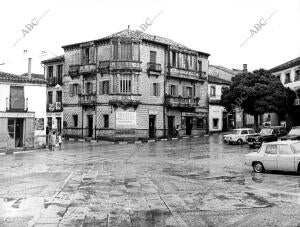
{"points": [[189, 182]]}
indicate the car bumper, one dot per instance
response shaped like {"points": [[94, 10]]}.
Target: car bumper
{"points": [[254, 143]]}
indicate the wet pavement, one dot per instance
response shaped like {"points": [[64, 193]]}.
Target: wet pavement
{"points": [[189, 182]]}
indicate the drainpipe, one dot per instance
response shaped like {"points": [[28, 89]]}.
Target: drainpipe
{"points": [[165, 83]]}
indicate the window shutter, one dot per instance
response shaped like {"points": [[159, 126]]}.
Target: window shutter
{"points": [[94, 88], [91, 50], [170, 89], [151, 89], [158, 89], [71, 90], [80, 89], [101, 87], [176, 90], [183, 91]]}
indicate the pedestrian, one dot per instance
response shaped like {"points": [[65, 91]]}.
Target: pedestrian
{"points": [[49, 136], [59, 140], [53, 141], [177, 130]]}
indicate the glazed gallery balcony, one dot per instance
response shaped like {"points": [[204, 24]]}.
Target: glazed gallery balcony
{"points": [[154, 69], [181, 102], [187, 74], [75, 70], [87, 99], [53, 81], [119, 65]]}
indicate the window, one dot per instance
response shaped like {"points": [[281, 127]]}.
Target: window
{"points": [[174, 59], [106, 120], [215, 123], [297, 75], [126, 51], [85, 55], [271, 149], [284, 149], [244, 132], [89, 88], [104, 87], [212, 91], [200, 122], [75, 89], [50, 71], [75, 120], [155, 89], [115, 50], [296, 148], [17, 99], [189, 92], [199, 66], [49, 123], [173, 90], [11, 128], [251, 131], [125, 84], [50, 97], [59, 96], [287, 78], [59, 73], [152, 56]]}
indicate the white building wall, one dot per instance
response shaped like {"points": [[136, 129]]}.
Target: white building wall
{"points": [[215, 112]]}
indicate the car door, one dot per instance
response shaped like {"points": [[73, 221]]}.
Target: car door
{"points": [[270, 157], [285, 158], [244, 134]]}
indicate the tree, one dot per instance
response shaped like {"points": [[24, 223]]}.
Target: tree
{"points": [[258, 93]]}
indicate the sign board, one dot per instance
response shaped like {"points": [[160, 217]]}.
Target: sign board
{"points": [[152, 112], [125, 120], [17, 115], [39, 124]]}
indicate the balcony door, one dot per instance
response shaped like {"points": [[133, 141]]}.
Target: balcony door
{"points": [[153, 57]]}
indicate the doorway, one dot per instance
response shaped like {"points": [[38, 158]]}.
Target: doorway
{"points": [[58, 123], [90, 125], [171, 126], [15, 131], [151, 126], [188, 125]]}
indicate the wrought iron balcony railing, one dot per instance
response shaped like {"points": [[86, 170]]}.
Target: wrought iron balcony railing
{"points": [[13, 105], [87, 99], [154, 67]]}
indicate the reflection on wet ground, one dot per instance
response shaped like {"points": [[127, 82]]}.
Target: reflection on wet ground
{"points": [[191, 182]]}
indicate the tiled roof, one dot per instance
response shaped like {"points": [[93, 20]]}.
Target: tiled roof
{"points": [[234, 71], [54, 59], [8, 77], [144, 36], [286, 65], [217, 80], [34, 75]]}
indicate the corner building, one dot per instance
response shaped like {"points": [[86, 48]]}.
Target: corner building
{"points": [[134, 85]]}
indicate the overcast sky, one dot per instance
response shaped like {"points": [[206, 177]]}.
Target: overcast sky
{"points": [[218, 27]]}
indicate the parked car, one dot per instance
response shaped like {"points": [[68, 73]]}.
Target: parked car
{"points": [[238, 136], [279, 155], [266, 135], [294, 134]]}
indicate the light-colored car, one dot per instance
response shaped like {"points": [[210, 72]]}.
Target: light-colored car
{"points": [[239, 136], [279, 155]]}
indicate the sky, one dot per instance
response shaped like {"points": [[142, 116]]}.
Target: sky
{"points": [[259, 33]]}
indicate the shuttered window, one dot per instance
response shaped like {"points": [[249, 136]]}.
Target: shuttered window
{"points": [[17, 99], [104, 87], [126, 51], [173, 90], [155, 89], [125, 84], [115, 50]]}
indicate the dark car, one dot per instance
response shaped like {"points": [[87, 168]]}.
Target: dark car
{"points": [[294, 134], [266, 135]]}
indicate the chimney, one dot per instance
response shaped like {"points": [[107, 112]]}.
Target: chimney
{"points": [[245, 70], [29, 68]]}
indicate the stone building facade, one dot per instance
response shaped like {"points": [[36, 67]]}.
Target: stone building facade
{"points": [[53, 73], [134, 85]]}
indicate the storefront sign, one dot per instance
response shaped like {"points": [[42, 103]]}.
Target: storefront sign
{"points": [[187, 114], [17, 115], [125, 120], [152, 112]]}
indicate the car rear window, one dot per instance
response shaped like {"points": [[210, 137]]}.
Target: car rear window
{"points": [[296, 148]]}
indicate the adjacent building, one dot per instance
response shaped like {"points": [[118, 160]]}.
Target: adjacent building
{"points": [[135, 85], [22, 111], [289, 75], [53, 73]]}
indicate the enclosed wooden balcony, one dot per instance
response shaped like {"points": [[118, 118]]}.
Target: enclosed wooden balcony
{"points": [[187, 74], [88, 69], [181, 102], [154, 69], [74, 70]]}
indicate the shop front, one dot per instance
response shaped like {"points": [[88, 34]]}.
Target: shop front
{"points": [[16, 130], [193, 123]]}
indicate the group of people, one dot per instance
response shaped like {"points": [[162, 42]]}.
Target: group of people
{"points": [[54, 140]]}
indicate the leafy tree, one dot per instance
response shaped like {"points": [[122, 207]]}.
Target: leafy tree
{"points": [[258, 93]]}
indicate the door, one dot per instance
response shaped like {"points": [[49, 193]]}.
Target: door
{"points": [[171, 126], [270, 157], [153, 57], [188, 125], [224, 129], [151, 126], [19, 132], [90, 125], [286, 158], [58, 123]]}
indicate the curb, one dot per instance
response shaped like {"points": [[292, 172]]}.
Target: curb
{"points": [[110, 143]]}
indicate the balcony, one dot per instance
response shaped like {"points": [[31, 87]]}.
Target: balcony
{"points": [[19, 105], [153, 69], [88, 69], [87, 99], [55, 107], [216, 99], [53, 81], [181, 102], [125, 100], [117, 65], [187, 74], [74, 70]]}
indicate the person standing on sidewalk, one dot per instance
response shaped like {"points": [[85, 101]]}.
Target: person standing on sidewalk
{"points": [[53, 141], [59, 140]]}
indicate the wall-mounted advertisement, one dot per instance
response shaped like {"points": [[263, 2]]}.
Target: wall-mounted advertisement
{"points": [[125, 120]]}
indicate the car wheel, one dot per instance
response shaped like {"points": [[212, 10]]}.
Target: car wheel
{"points": [[239, 141], [258, 167]]}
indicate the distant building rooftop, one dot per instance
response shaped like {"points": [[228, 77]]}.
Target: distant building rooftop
{"points": [[54, 59], [9, 77], [217, 80], [286, 65]]}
